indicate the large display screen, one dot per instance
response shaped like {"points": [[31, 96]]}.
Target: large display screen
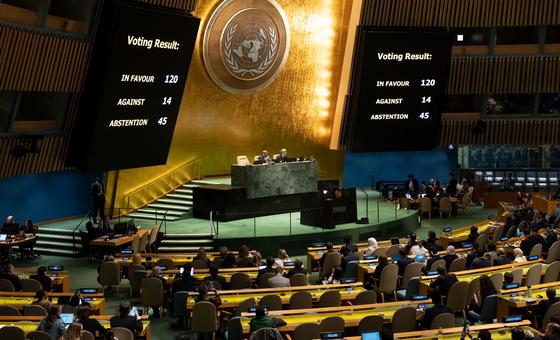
{"points": [[134, 88], [399, 84]]}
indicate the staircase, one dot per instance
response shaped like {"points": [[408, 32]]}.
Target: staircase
{"points": [[57, 242], [171, 207], [185, 243]]}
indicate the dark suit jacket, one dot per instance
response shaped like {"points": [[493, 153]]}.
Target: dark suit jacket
{"points": [[402, 262], [281, 159], [528, 243], [444, 282], [10, 228], [263, 271], [220, 279], [92, 326], [180, 285], [431, 313], [348, 258], [501, 260], [449, 259], [128, 322], [300, 270]]}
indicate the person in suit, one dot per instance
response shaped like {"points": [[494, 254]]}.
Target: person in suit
{"points": [[43, 278], [543, 305], [91, 325], [298, 268], [268, 269], [7, 273], [480, 261], [278, 280], [532, 238], [263, 158], [282, 157], [502, 258], [97, 199], [451, 188], [214, 277], [411, 185], [443, 282], [471, 255], [551, 236], [431, 259], [450, 256], [432, 312], [132, 323], [203, 296], [10, 227], [473, 235], [403, 260], [348, 255]]}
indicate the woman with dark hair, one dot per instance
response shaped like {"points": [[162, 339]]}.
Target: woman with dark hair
{"points": [[41, 299], [27, 248], [43, 278], [486, 289], [52, 323], [74, 332], [244, 252], [473, 235], [201, 255], [90, 325], [382, 263], [229, 261]]}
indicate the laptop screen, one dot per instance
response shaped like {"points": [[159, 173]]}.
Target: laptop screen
{"points": [[3, 237], [332, 335], [370, 336], [420, 258], [67, 318]]}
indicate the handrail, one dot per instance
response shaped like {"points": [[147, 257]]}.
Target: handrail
{"points": [[87, 215], [162, 185]]}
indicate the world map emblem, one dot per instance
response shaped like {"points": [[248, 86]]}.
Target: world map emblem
{"points": [[245, 44]]}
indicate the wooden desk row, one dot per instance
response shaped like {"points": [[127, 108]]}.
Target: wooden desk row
{"points": [[461, 234], [20, 299], [516, 301], [30, 323], [104, 241], [498, 331], [60, 279]]}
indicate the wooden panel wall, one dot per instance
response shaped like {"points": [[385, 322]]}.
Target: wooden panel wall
{"points": [[512, 74], [37, 61], [183, 5], [511, 131], [461, 13]]}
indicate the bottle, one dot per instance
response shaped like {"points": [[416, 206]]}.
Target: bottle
{"points": [[440, 334], [528, 291]]}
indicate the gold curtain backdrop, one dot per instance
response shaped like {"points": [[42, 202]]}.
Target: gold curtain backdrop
{"points": [[296, 111]]}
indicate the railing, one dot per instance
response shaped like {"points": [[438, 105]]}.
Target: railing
{"points": [[161, 186]]}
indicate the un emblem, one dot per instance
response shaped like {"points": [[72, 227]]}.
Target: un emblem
{"points": [[246, 44]]}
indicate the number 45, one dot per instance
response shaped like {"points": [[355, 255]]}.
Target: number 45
{"points": [[162, 121], [424, 115]]}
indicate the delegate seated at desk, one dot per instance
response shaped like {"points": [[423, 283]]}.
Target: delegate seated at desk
{"points": [[282, 157], [263, 158], [10, 227]]}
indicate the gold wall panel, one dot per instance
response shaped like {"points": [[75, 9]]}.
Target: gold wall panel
{"points": [[295, 111]]}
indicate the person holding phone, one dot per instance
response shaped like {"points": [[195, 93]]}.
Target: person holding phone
{"points": [[125, 320], [261, 320]]}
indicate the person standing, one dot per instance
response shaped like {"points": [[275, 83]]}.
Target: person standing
{"points": [[451, 188], [97, 199], [411, 185]]}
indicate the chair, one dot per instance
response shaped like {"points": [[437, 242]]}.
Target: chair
{"points": [[536, 250], [552, 272], [30, 285], [457, 297], [554, 309], [380, 252], [12, 333], [371, 323], [6, 286], [110, 274], [266, 333], [533, 276], [87, 336], [404, 203], [497, 280], [135, 245], [143, 243], [482, 240], [511, 232], [388, 281], [404, 320], [168, 263], [152, 293], [331, 260], [489, 310], [240, 281], [245, 305], [301, 300], [307, 331], [458, 265], [234, 328], [132, 269], [425, 207], [436, 264], [445, 206], [463, 204], [392, 250], [299, 279], [367, 297], [412, 288], [34, 310], [39, 335], [180, 304], [497, 235], [351, 270], [553, 253], [332, 324], [517, 275], [204, 317], [443, 320], [122, 333], [136, 281], [6, 310], [263, 280], [153, 238], [474, 287], [413, 269], [271, 301], [330, 298], [199, 264]]}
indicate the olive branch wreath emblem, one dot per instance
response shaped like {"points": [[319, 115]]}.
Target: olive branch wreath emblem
{"points": [[263, 66]]}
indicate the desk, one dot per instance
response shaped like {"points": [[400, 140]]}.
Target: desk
{"points": [[179, 260], [102, 241], [60, 279], [30, 323], [543, 204], [97, 303], [275, 179], [461, 234], [352, 315], [16, 241], [469, 275], [508, 303], [232, 298]]}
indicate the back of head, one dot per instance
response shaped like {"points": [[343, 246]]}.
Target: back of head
{"points": [[484, 335], [260, 312], [508, 277], [223, 251], [202, 290], [270, 261], [298, 263], [403, 252], [347, 239], [450, 250], [156, 270], [552, 329], [372, 242], [54, 312], [517, 252], [344, 250], [474, 229], [517, 334], [279, 270], [329, 245], [40, 294], [41, 271], [551, 292], [124, 309], [382, 260], [441, 270], [83, 313], [186, 271], [431, 234], [213, 269], [243, 251]]}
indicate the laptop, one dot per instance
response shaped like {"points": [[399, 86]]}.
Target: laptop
{"points": [[3, 237], [420, 258], [395, 241], [67, 318], [371, 336]]}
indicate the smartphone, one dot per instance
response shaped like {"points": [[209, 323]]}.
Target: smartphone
{"points": [[349, 289], [23, 276], [133, 311]]}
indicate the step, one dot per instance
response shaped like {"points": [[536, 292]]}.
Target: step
{"points": [[160, 212], [142, 216], [186, 242], [181, 249], [203, 182], [181, 236], [186, 192], [59, 237], [183, 197], [52, 251], [162, 206], [50, 230], [175, 201], [190, 186], [54, 244]]}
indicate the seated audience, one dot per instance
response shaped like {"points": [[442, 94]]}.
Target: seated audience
{"points": [[431, 259], [491, 254], [156, 273], [43, 278], [450, 256], [282, 257], [257, 259], [52, 323], [91, 325], [203, 296], [502, 257], [244, 257], [432, 312], [471, 255], [261, 320], [551, 236], [443, 281], [480, 261], [77, 300], [131, 322], [185, 282], [347, 256], [508, 279], [486, 289], [201, 255], [403, 260], [215, 278], [382, 262], [10, 227], [348, 243], [518, 255], [7, 272], [73, 332], [372, 246], [42, 299], [330, 249], [278, 280], [473, 235], [532, 238], [219, 259], [108, 258], [433, 241], [543, 305], [298, 268], [411, 242], [336, 275], [268, 269], [419, 249], [230, 261]]}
